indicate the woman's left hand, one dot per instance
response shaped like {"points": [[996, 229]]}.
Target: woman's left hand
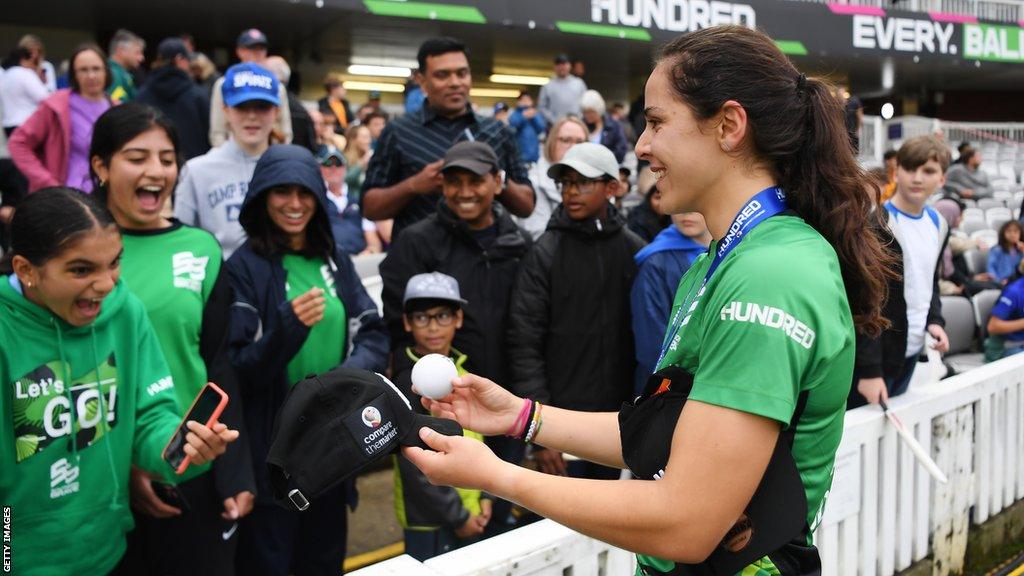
{"points": [[456, 461], [204, 444]]}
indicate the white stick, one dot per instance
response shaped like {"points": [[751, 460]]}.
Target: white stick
{"points": [[919, 452]]}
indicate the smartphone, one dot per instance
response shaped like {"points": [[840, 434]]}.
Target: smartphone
{"points": [[206, 408], [171, 496]]}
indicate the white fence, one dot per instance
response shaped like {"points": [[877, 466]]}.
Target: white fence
{"points": [[878, 135], [998, 10], [884, 511]]}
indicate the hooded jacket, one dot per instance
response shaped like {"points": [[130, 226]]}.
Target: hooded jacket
{"points": [[443, 243], [40, 147], [172, 91], [570, 341], [265, 333], [661, 264], [110, 381]]}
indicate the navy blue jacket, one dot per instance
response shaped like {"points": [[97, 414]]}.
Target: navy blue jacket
{"points": [[265, 333], [613, 137], [347, 226], [662, 264]]}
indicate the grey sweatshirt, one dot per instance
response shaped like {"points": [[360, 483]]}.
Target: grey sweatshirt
{"points": [[960, 177], [561, 97], [211, 190]]}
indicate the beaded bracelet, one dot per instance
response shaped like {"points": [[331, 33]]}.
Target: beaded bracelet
{"points": [[534, 424]]}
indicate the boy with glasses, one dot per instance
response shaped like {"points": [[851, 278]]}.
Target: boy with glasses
{"points": [[570, 341], [436, 519]]}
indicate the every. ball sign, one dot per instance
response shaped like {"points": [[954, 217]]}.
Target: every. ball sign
{"points": [[432, 376]]}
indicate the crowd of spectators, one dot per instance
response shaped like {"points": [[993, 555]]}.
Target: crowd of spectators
{"points": [[517, 242]]}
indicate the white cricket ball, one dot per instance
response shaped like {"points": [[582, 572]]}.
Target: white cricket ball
{"points": [[432, 376]]}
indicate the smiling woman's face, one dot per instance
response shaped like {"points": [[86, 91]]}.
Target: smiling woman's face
{"points": [[683, 158]]}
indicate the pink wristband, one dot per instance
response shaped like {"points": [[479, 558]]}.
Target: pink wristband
{"points": [[519, 427]]}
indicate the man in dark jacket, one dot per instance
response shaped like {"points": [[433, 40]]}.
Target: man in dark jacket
{"points": [[471, 238], [171, 90], [266, 336], [570, 341]]}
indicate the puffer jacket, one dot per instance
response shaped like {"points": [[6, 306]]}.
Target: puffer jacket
{"points": [[443, 243], [570, 340]]}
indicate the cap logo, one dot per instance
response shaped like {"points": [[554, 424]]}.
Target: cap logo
{"points": [[371, 417], [253, 80]]}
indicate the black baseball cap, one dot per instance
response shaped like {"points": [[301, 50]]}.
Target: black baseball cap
{"points": [[252, 37], [562, 59], [477, 157], [171, 48], [336, 424]]}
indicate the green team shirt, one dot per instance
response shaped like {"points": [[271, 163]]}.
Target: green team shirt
{"points": [[324, 348], [173, 270], [773, 322], [122, 85]]}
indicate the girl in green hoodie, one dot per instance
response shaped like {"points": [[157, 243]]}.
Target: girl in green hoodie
{"points": [[85, 390], [175, 270]]}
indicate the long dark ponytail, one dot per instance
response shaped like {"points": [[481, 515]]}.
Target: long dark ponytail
{"points": [[797, 130]]}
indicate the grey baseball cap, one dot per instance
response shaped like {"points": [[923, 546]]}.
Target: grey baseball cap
{"points": [[477, 157], [589, 159], [433, 286]]}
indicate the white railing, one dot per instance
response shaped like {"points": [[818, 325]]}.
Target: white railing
{"points": [[997, 10], [884, 511]]}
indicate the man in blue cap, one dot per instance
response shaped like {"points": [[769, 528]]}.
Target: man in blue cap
{"points": [[251, 48], [212, 186]]}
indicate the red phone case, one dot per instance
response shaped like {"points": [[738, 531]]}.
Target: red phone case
{"points": [[209, 423]]}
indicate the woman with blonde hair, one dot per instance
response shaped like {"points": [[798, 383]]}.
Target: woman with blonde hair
{"points": [[565, 134]]}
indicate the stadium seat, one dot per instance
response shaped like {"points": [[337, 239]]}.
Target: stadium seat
{"points": [[367, 266], [958, 313], [1004, 196], [1006, 171], [996, 217], [989, 237], [988, 203], [971, 226], [983, 302], [977, 260], [974, 214], [969, 203]]}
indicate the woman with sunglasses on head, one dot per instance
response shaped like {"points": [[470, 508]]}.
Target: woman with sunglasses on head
{"points": [[176, 271], [753, 375], [87, 393], [300, 309], [52, 147]]}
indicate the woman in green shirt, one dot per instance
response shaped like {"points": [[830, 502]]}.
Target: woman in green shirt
{"points": [[176, 271], [740, 424], [299, 309]]}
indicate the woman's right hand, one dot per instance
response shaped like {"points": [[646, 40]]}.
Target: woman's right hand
{"points": [[309, 307], [144, 499], [479, 405]]}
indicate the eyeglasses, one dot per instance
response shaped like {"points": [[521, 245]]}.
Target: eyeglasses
{"points": [[583, 186], [422, 319], [332, 162], [569, 140]]}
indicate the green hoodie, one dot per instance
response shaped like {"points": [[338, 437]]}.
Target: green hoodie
{"points": [[69, 500]]}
